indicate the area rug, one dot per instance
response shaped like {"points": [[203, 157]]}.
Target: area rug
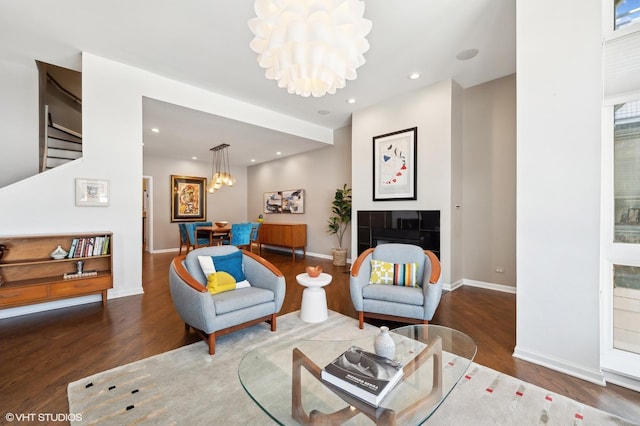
{"points": [[187, 386]]}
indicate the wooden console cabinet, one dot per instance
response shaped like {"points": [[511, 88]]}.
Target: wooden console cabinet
{"points": [[30, 275], [290, 235]]}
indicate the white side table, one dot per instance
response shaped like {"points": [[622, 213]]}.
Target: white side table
{"points": [[314, 298]]}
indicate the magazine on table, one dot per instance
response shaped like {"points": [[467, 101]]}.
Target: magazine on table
{"points": [[363, 374]]}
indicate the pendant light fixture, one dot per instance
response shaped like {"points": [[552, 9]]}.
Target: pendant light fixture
{"points": [[310, 47], [220, 174]]}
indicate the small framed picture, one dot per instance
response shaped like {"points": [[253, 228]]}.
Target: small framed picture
{"points": [[92, 192]]}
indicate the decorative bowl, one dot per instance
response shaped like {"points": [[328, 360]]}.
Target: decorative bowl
{"points": [[221, 224], [59, 253], [313, 271]]}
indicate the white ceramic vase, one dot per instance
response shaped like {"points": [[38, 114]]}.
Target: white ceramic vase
{"points": [[384, 344]]}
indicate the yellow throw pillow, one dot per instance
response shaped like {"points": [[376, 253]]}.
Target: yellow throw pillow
{"points": [[220, 281], [402, 274], [381, 272]]}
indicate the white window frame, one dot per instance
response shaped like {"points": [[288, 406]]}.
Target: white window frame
{"points": [[620, 367]]}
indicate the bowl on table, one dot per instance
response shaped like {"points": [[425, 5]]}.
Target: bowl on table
{"points": [[314, 271], [221, 223]]}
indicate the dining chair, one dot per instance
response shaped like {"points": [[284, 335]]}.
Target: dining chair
{"points": [[255, 228], [241, 235], [184, 238], [196, 240]]}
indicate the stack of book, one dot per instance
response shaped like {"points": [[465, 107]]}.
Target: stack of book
{"points": [[89, 246], [363, 374]]}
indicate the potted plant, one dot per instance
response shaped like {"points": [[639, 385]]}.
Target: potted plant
{"points": [[338, 222]]}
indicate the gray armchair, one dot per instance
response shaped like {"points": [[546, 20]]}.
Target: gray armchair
{"points": [[210, 315], [394, 302]]}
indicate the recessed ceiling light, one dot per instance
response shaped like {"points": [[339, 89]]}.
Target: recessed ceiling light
{"points": [[253, 160], [323, 112], [194, 158], [351, 101], [467, 54], [155, 130], [414, 75], [278, 153]]}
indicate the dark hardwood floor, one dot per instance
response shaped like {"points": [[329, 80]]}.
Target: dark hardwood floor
{"points": [[41, 353]]}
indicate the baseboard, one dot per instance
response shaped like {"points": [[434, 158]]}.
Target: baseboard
{"points": [[300, 252], [622, 380], [164, 250], [116, 294], [479, 284], [48, 306], [453, 286], [489, 286], [575, 370]]}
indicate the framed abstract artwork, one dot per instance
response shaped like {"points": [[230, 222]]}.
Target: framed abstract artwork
{"points": [[291, 201], [395, 165], [188, 199]]}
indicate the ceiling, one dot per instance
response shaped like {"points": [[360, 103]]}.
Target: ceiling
{"points": [[206, 44]]}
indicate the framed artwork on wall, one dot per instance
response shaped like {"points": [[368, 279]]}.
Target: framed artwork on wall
{"points": [[188, 199], [395, 165], [92, 193], [291, 201]]}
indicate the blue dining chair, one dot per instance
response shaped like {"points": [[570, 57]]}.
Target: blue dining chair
{"points": [[196, 241], [241, 235], [184, 238], [255, 228]]}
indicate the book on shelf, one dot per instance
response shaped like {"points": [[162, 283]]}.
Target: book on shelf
{"points": [[72, 250], [88, 250], [363, 374], [96, 247], [89, 246], [105, 245]]}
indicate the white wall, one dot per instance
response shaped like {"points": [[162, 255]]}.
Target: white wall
{"points": [[228, 204], [112, 130], [559, 87], [19, 118], [429, 109]]}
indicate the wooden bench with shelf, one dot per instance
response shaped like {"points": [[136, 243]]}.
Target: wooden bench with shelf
{"points": [[30, 275]]}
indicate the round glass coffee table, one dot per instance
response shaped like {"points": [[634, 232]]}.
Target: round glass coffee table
{"points": [[284, 378]]}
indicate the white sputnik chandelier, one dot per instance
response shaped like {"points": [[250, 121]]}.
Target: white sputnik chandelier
{"points": [[311, 47]]}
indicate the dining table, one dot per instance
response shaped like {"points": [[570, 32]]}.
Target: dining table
{"points": [[216, 233]]}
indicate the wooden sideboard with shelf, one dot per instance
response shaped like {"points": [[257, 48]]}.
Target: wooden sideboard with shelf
{"points": [[30, 275]]}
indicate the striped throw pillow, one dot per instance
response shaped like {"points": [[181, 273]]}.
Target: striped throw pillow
{"points": [[404, 274]]}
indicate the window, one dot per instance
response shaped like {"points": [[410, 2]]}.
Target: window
{"points": [[627, 172], [626, 308], [627, 12]]}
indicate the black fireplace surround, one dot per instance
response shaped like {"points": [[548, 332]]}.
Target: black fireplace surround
{"points": [[419, 227]]}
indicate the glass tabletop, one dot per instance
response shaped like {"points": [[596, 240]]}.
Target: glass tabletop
{"points": [[283, 377]]}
